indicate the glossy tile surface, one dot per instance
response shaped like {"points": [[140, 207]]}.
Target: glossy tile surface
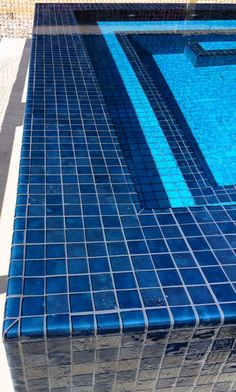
{"points": [[180, 360], [112, 286], [83, 243]]}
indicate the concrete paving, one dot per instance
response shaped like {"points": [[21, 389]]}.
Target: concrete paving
{"points": [[14, 55]]}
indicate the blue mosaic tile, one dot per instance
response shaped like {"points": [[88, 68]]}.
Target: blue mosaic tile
{"points": [[106, 258]]}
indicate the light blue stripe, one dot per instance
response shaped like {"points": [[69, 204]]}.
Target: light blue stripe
{"points": [[218, 45], [173, 181], [168, 25]]}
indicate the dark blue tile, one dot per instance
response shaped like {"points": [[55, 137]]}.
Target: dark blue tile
{"points": [[158, 318], [17, 252], [217, 242], [19, 237], [163, 261], [183, 316], [230, 272], [198, 243], [133, 320], [117, 248], [133, 233], [94, 235], [157, 246], [108, 323], [192, 230], [55, 223], [152, 298], [169, 278], [192, 276], [79, 283], [226, 256], [57, 304], [96, 249], [111, 221], [77, 266], [33, 306], [128, 299], [105, 300], [224, 292], [56, 285], [208, 315], [35, 268], [58, 325], [177, 245], [14, 286], [176, 296], [53, 251], [12, 307], [229, 311], [206, 258], [209, 228], [147, 279], [99, 265], [214, 274], [32, 327], [200, 295], [101, 282], [34, 286], [55, 236], [76, 250], [124, 280], [56, 267], [83, 325], [81, 303], [16, 268], [120, 263], [34, 250], [114, 235]]}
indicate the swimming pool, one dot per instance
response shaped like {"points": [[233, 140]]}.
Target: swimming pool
{"points": [[199, 101], [123, 264]]}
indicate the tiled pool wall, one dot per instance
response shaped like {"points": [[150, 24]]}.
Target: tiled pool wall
{"points": [[180, 360], [104, 293]]}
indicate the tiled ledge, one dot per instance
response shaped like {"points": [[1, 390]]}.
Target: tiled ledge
{"points": [[104, 295], [204, 58]]}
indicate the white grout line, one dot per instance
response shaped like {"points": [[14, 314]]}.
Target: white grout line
{"points": [[24, 95], [6, 229]]}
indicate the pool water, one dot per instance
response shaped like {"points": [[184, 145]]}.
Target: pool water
{"points": [[219, 45], [207, 98], [201, 99]]}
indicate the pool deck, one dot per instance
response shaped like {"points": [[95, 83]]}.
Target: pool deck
{"points": [[14, 54]]}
